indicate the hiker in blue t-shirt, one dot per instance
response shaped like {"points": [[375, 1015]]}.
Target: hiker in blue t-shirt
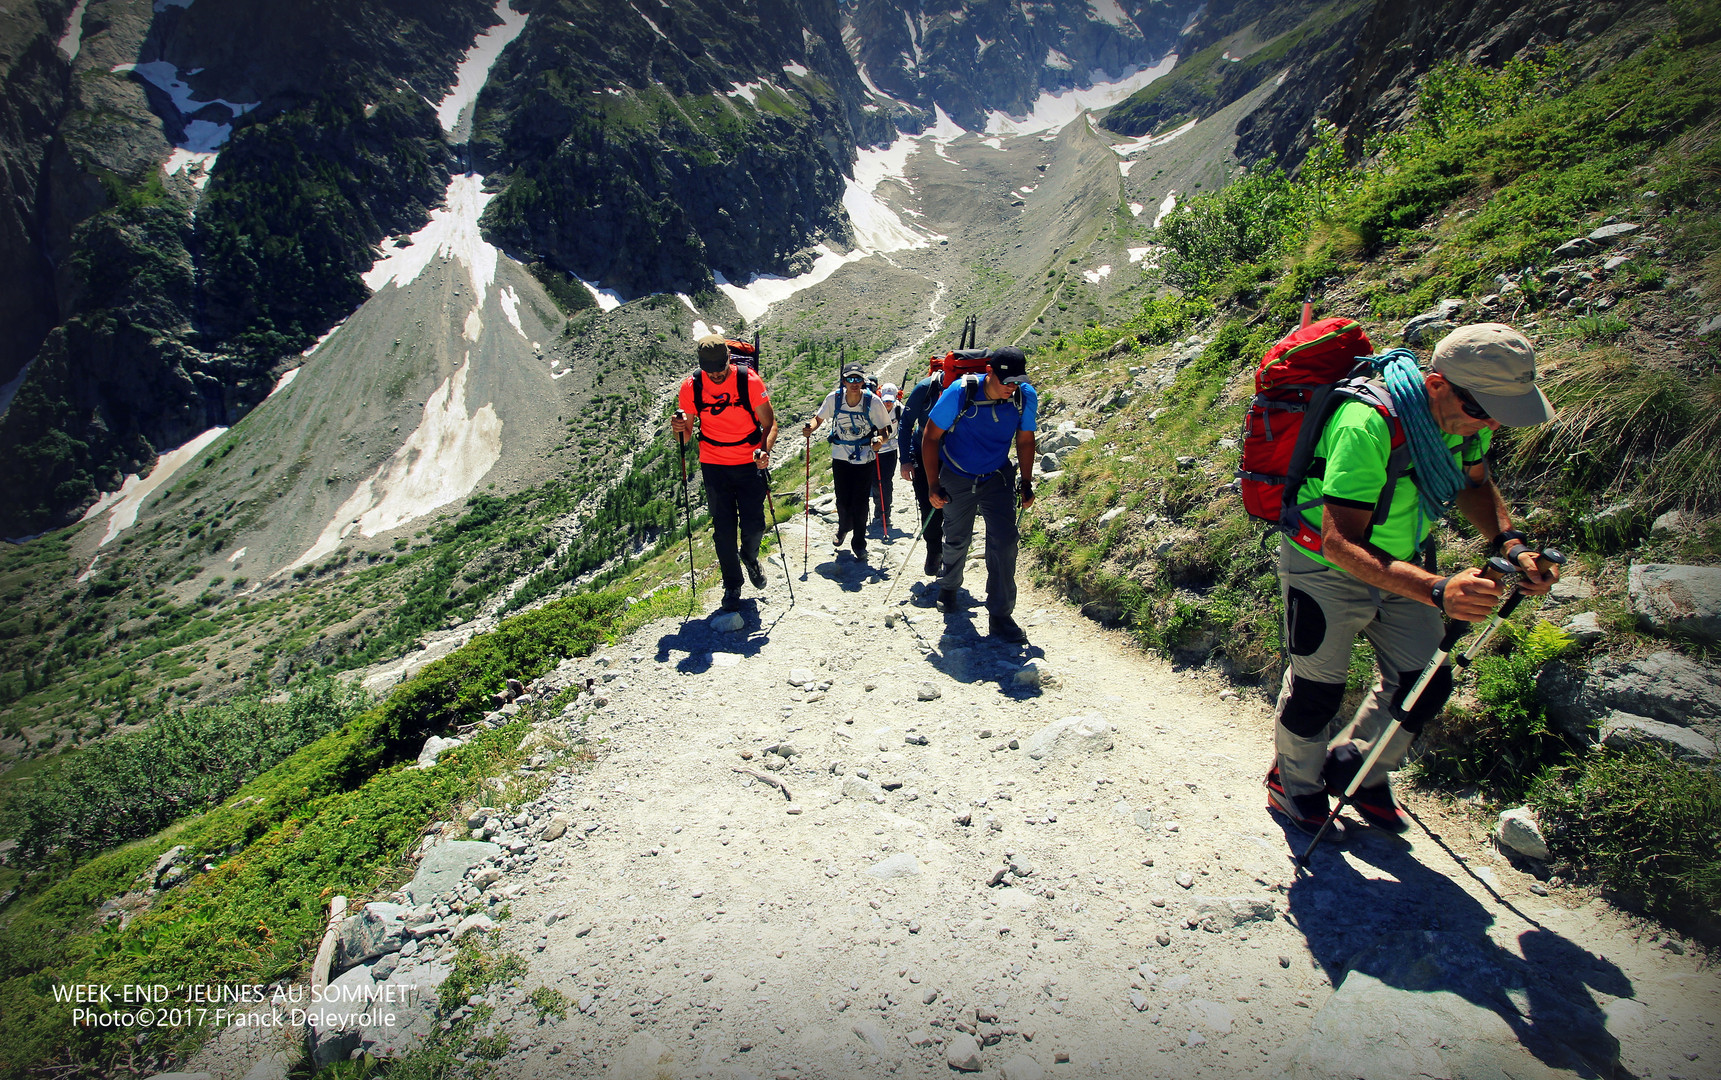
{"points": [[966, 455]]}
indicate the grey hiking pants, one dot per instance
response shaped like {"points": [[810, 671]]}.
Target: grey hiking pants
{"points": [[1325, 610], [993, 497]]}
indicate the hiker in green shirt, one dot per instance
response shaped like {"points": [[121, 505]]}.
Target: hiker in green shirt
{"points": [[1364, 579]]}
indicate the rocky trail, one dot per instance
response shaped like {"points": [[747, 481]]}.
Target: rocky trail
{"points": [[823, 845]]}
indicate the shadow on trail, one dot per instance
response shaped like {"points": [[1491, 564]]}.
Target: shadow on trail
{"points": [[849, 573], [701, 643], [967, 656], [1414, 929]]}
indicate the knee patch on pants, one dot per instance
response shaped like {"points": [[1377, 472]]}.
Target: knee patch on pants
{"points": [[1311, 707], [1433, 697]]}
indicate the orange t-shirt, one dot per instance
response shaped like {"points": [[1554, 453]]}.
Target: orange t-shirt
{"points": [[724, 419]]}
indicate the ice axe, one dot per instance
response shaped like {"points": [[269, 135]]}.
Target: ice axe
{"points": [[1455, 631]]}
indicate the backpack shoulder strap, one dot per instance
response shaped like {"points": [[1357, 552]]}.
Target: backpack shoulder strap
{"points": [[698, 393]]}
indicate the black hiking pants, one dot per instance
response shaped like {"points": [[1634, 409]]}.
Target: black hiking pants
{"points": [[736, 495], [853, 480]]}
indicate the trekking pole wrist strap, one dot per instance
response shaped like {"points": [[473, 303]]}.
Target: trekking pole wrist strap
{"points": [[1437, 594], [1505, 540]]}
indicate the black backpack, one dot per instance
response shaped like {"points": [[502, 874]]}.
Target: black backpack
{"points": [[744, 376]]}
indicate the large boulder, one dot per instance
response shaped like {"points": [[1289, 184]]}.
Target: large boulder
{"points": [[444, 866], [1072, 735], [1430, 1003], [1621, 730], [1673, 599], [376, 931], [1433, 324], [1665, 686]]}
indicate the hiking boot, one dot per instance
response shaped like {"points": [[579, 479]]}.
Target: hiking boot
{"points": [[1307, 812], [932, 567], [755, 572], [860, 552], [1005, 629], [1373, 803], [947, 601], [732, 599]]}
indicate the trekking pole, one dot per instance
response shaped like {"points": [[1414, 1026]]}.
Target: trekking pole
{"points": [[779, 528], [687, 512], [807, 507], [1454, 633], [1506, 569], [908, 555], [883, 511]]}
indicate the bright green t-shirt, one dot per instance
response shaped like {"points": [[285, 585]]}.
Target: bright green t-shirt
{"points": [[1355, 447]]}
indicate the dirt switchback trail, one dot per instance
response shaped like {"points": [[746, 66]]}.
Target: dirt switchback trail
{"points": [[1118, 902]]}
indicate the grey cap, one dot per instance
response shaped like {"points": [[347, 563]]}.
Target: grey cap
{"points": [[1496, 365]]}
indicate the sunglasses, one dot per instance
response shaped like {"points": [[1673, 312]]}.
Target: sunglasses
{"points": [[853, 379], [1469, 404]]}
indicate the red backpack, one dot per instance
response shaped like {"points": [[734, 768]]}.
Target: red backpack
{"points": [[1299, 384], [959, 362], [744, 353]]}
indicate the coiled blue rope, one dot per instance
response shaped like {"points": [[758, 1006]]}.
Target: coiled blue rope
{"points": [[1438, 477]]}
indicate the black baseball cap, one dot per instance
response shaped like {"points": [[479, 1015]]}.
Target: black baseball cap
{"points": [[1009, 363]]}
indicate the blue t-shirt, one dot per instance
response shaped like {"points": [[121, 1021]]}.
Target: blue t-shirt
{"points": [[979, 433]]}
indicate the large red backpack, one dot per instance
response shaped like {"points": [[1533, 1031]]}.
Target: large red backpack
{"points": [[959, 362], [1298, 385]]}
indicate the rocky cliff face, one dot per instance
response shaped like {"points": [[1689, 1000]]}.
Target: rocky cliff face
{"points": [[1355, 62], [189, 207], [193, 191], [970, 59]]}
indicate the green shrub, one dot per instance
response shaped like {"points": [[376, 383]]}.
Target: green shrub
{"points": [[183, 762], [1250, 219], [1503, 742], [1636, 821]]}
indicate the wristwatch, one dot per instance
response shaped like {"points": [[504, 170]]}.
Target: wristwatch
{"points": [[1437, 593]]}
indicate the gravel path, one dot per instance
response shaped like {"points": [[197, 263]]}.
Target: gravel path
{"points": [[1120, 906]]}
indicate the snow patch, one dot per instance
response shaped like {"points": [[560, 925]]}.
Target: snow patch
{"points": [[996, 144], [608, 299], [1137, 254], [1096, 276], [474, 327], [872, 87], [1135, 209], [649, 23], [474, 69], [198, 165], [237, 555], [749, 92], [945, 130], [284, 381], [1056, 59], [1124, 167], [688, 300], [1280, 81], [451, 233], [1128, 148], [72, 40], [700, 329], [1165, 207], [201, 136], [1051, 111], [134, 490], [511, 307], [796, 70], [1108, 11], [440, 462]]}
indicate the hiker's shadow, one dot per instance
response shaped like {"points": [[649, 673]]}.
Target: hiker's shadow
{"points": [[1414, 929], [850, 575], [702, 643], [964, 655]]}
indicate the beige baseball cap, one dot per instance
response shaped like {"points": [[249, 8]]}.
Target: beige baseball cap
{"points": [[1496, 365]]}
